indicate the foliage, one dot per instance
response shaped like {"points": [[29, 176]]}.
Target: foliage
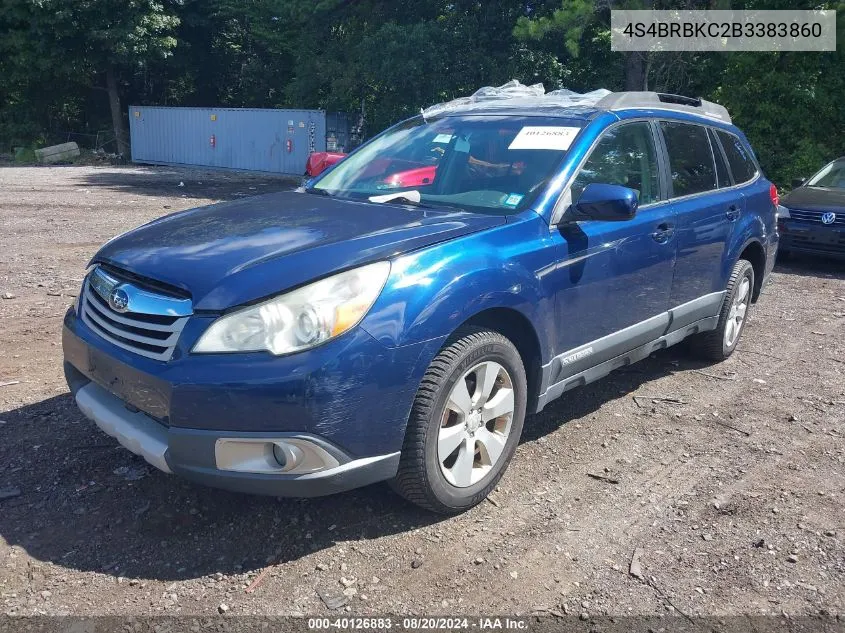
{"points": [[768, 94], [25, 156], [789, 104], [388, 58]]}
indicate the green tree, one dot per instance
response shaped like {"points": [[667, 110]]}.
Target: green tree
{"points": [[789, 104], [59, 58], [579, 31], [234, 53], [582, 27], [93, 42], [397, 58]]}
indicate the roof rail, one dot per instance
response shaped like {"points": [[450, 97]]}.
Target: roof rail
{"points": [[663, 101]]}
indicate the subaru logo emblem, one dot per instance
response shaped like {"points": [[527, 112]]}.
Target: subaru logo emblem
{"points": [[119, 300], [828, 218]]}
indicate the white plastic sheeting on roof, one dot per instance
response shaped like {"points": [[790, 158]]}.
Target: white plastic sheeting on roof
{"points": [[517, 95]]}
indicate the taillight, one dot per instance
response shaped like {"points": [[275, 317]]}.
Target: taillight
{"points": [[773, 194]]}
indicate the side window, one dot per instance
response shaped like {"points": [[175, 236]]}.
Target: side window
{"points": [[690, 159], [832, 175], [624, 156], [723, 177], [739, 158]]}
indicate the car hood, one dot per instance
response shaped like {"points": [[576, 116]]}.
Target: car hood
{"points": [[815, 199], [235, 252]]}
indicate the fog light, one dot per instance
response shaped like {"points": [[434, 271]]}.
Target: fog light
{"points": [[291, 455], [279, 455]]}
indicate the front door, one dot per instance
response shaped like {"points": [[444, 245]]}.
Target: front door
{"points": [[613, 278]]}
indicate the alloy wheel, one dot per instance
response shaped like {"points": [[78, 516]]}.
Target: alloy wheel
{"points": [[736, 316], [476, 423]]}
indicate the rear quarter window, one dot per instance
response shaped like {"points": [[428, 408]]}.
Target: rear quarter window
{"points": [[722, 175], [739, 157], [690, 158]]}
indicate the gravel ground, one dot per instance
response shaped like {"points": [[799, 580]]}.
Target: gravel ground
{"points": [[724, 484]]}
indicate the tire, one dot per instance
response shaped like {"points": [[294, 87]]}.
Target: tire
{"points": [[720, 343], [472, 355]]}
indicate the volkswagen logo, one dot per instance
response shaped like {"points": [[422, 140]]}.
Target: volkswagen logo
{"points": [[828, 218], [119, 300]]}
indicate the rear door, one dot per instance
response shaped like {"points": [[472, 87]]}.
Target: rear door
{"points": [[707, 208]]}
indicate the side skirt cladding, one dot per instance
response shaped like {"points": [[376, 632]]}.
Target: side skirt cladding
{"points": [[594, 360]]}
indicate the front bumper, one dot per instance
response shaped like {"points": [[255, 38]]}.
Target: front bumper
{"points": [[349, 399], [194, 454], [816, 239]]}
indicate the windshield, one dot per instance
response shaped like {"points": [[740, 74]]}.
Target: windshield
{"points": [[486, 164], [832, 175]]}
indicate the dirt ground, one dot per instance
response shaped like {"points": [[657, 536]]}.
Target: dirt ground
{"points": [[726, 482]]}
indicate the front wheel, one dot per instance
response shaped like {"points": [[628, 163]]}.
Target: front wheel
{"points": [[465, 423], [721, 342]]}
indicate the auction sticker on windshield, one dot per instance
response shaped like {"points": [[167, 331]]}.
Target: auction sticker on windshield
{"points": [[544, 137]]}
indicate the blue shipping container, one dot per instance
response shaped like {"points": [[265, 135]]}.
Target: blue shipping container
{"points": [[277, 141]]}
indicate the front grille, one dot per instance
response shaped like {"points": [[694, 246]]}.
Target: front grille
{"points": [[815, 217], [150, 335]]}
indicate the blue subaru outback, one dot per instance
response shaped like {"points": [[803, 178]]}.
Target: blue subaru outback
{"points": [[399, 317]]}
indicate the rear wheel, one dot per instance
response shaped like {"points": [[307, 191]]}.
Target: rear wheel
{"points": [[720, 343], [465, 423]]}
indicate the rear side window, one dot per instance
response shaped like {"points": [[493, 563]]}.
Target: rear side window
{"points": [[722, 175], [625, 156], [690, 158], [739, 158]]}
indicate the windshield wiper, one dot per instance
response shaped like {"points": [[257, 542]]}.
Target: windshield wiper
{"points": [[318, 192], [412, 198], [402, 197]]}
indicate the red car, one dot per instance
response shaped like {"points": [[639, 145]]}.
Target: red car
{"points": [[318, 162]]}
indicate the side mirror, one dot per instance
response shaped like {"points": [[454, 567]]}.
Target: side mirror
{"points": [[609, 203], [798, 182]]}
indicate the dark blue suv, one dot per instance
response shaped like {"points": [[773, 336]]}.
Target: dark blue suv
{"points": [[397, 318]]}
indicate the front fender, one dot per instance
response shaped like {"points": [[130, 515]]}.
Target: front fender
{"points": [[431, 292]]}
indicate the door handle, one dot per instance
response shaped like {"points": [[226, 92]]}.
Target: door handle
{"points": [[663, 233], [732, 213]]}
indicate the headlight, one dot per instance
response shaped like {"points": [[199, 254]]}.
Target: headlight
{"points": [[782, 212], [300, 319]]}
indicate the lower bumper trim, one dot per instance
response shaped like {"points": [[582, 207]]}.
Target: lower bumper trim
{"points": [[353, 474], [190, 453], [138, 432]]}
